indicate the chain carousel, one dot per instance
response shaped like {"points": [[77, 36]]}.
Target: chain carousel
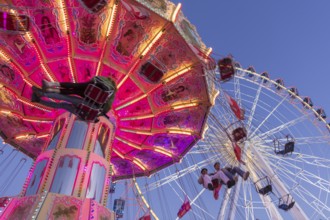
{"points": [[159, 66]]}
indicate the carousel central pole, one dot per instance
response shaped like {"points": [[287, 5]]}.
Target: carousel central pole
{"points": [[70, 179]]}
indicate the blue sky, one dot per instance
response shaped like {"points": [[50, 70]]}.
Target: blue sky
{"points": [[288, 39]]}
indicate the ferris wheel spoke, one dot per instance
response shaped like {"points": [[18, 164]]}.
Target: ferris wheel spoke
{"points": [[254, 106], [315, 203], [279, 128], [174, 176], [270, 114], [304, 175], [237, 89]]}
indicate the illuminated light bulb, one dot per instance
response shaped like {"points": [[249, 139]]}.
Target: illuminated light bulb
{"points": [[139, 164], [162, 151], [137, 117], [131, 102], [129, 143], [176, 12], [175, 75], [151, 44], [184, 105]]}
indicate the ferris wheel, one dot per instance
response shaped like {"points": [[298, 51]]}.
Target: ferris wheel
{"points": [[285, 150]]}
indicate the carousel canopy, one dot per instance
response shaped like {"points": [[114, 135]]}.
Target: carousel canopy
{"points": [[147, 47]]}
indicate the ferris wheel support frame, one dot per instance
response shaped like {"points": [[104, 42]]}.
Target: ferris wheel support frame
{"points": [[296, 211]]}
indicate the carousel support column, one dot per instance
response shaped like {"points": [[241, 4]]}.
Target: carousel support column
{"points": [[72, 175]]}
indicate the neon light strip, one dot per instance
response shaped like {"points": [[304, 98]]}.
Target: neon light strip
{"points": [[139, 164], [209, 51], [176, 12], [137, 117], [25, 119], [184, 106], [32, 105], [214, 97], [153, 41], [137, 131], [30, 135], [119, 154], [14, 65], [175, 75], [30, 39], [63, 14], [131, 102], [129, 72], [162, 151], [129, 143], [180, 132], [108, 32], [204, 131]]}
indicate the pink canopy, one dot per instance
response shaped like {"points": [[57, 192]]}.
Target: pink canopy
{"points": [[148, 47]]}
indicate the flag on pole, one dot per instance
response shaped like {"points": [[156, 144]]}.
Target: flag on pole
{"points": [[145, 217], [234, 107], [184, 208]]}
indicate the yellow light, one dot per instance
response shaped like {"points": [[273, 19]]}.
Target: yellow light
{"points": [[151, 44], [209, 51], [136, 131], [32, 105], [42, 136], [129, 143], [176, 12], [71, 67], [184, 106], [22, 136], [4, 55], [63, 14], [204, 131], [5, 112], [180, 132], [131, 102], [129, 72], [36, 120], [119, 154], [112, 18], [46, 71], [139, 164], [137, 117], [214, 97], [177, 74], [162, 151]]}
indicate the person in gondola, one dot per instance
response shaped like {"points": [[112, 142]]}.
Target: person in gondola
{"points": [[72, 95]]}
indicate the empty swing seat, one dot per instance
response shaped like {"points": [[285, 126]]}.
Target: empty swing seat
{"points": [[264, 186], [265, 190], [286, 202]]}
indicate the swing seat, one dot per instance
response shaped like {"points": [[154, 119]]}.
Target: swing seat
{"points": [[286, 207], [87, 113], [265, 190], [97, 94]]}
